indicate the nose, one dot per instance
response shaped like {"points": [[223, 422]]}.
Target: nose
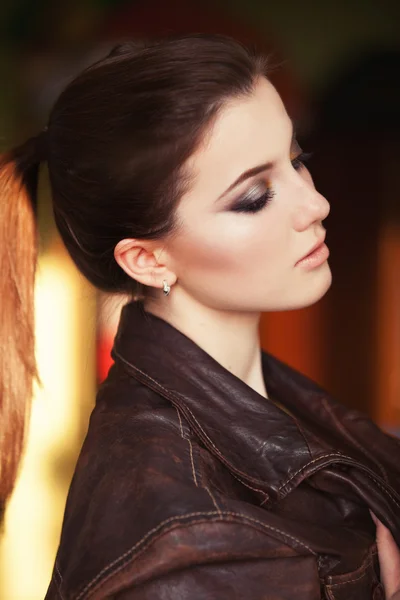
{"points": [[312, 206]]}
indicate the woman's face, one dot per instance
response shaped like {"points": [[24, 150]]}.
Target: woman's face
{"points": [[239, 244]]}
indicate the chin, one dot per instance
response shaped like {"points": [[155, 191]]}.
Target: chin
{"points": [[318, 287], [310, 290]]}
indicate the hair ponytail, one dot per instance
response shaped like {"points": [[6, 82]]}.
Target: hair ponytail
{"points": [[19, 171]]}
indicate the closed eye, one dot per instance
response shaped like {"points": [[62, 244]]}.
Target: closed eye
{"points": [[299, 161]]}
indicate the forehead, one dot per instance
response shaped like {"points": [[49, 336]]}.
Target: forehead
{"points": [[248, 131]]}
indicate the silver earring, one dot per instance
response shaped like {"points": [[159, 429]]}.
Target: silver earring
{"points": [[166, 288]]}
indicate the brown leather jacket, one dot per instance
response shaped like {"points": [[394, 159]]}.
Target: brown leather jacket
{"points": [[192, 486]]}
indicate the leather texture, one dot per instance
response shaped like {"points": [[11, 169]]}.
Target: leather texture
{"points": [[190, 485]]}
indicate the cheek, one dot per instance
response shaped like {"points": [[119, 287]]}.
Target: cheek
{"points": [[229, 243]]}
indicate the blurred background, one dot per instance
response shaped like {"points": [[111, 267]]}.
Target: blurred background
{"points": [[339, 75]]}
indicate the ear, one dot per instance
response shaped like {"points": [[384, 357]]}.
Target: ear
{"points": [[144, 261]]}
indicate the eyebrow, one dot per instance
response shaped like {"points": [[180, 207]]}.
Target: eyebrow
{"points": [[253, 171]]}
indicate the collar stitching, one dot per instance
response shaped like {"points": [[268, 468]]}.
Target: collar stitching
{"points": [[174, 398], [318, 459]]}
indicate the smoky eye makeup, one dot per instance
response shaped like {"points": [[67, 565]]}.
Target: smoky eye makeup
{"points": [[254, 199], [295, 148], [297, 156], [259, 195]]}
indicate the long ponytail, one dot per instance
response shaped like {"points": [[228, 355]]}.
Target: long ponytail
{"points": [[19, 171]]}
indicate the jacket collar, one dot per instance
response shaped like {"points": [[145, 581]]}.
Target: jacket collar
{"points": [[259, 442]]}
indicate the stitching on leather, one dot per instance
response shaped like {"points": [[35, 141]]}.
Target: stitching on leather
{"points": [[180, 421], [213, 499], [190, 447], [363, 574], [215, 485], [57, 571], [148, 534], [192, 461], [368, 563], [307, 465], [143, 549], [319, 560], [167, 530], [237, 470], [201, 479], [172, 397], [266, 496], [341, 456], [211, 442], [182, 517], [352, 440], [379, 484], [58, 584]]}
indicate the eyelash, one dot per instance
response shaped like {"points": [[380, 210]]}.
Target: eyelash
{"points": [[299, 161], [263, 200]]}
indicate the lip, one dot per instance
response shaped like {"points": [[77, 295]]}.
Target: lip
{"points": [[316, 256]]}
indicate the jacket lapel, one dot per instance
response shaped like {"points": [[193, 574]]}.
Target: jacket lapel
{"points": [[261, 444], [249, 433]]}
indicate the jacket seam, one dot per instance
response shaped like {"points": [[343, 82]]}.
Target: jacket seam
{"points": [[192, 461], [379, 484], [58, 583], [331, 585], [233, 469], [264, 494], [213, 499], [364, 567], [187, 438], [348, 435], [341, 456], [184, 437], [201, 479], [307, 465], [172, 396], [253, 479], [219, 516]]}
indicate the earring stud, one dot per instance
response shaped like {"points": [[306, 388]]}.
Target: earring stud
{"points": [[166, 288]]}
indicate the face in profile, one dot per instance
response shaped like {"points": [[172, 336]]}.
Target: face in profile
{"points": [[251, 215]]}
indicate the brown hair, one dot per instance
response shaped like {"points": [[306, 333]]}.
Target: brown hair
{"points": [[116, 144]]}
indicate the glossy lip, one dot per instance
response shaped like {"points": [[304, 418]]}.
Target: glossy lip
{"points": [[313, 249]]}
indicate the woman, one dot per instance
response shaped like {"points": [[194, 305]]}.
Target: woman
{"points": [[210, 469]]}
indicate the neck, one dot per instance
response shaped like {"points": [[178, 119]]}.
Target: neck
{"points": [[230, 337]]}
